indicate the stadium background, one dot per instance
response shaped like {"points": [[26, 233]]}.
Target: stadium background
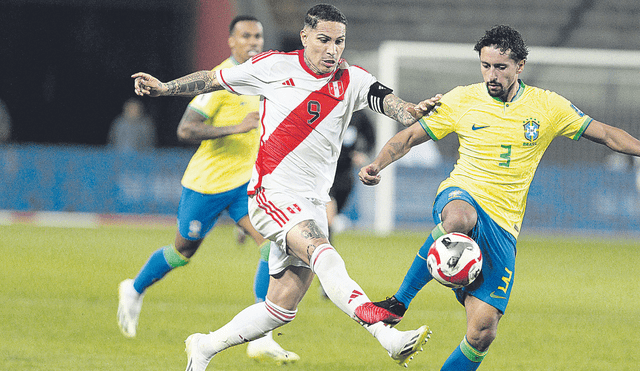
{"points": [[66, 72], [65, 67]]}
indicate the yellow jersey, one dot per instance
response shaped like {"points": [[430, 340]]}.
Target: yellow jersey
{"points": [[501, 143], [225, 163]]}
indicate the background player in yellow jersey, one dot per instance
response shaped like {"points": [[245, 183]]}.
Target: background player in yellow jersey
{"points": [[503, 127], [215, 180]]}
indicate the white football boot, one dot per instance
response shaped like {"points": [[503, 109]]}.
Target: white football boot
{"points": [[196, 360], [408, 344], [129, 306], [266, 349]]}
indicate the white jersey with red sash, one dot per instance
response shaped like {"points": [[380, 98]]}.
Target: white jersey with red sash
{"points": [[304, 117]]}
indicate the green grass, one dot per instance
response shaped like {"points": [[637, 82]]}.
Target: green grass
{"points": [[575, 304]]}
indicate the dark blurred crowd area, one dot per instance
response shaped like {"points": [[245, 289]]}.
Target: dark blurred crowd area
{"points": [[65, 66]]}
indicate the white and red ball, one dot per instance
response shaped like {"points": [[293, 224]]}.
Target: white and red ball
{"points": [[454, 260]]}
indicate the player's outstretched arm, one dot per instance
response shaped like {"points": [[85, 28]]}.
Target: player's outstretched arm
{"points": [[194, 129], [408, 113], [398, 146], [612, 137], [186, 86]]}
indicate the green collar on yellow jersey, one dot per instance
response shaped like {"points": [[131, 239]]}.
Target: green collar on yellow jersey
{"points": [[520, 91], [234, 61]]}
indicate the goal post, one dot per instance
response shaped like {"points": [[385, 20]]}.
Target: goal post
{"points": [[389, 55], [601, 82]]}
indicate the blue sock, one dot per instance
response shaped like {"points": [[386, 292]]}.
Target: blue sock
{"points": [[418, 274], [464, 358], [261, 281], [159, 264]]}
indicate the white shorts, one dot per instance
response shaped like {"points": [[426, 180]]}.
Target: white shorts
{"points": [[274, 213]]}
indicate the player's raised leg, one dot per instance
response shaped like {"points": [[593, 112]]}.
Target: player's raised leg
{"points": [[346, 294], [391, 310], [457, 215]]}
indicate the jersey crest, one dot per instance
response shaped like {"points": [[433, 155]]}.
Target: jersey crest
{"points": [[336, 89], [531, 130]]}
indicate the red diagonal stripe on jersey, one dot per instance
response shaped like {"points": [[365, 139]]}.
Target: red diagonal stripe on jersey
{"points": [[297, 126]]}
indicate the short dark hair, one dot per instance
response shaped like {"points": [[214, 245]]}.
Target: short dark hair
{"points": [[324, 12], [241, 18], [504, 38]]}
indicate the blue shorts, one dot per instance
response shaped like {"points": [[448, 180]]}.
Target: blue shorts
{"points": [[498, 247], [199, 212]]}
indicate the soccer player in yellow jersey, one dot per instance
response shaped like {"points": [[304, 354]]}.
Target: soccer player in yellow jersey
{"points": [[503, 127], [226, 126]]}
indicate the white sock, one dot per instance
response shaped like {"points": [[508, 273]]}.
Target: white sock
{"points": [[250, 324], [344, 292], [267, 338], [386, 335]]}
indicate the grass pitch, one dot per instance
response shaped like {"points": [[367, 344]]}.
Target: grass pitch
{"points": [[575, 304]]}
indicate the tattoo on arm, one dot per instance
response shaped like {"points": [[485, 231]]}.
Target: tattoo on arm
{"points": [[398, 110], [193, 84]]}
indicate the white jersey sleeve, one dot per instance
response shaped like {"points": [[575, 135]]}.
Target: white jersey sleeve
{"points": [[249, 78], [364, 80]]}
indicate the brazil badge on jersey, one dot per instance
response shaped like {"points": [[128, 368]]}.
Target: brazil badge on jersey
{"points": [[501, 143]]}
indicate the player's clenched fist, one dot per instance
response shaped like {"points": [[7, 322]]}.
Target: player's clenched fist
{"points": [[369, 175]]}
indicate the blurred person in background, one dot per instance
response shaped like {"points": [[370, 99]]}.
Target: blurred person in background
{"points": [[133, 130], [309, 97], [5, 123], [227, 127], [359, 140], [504, 127]]}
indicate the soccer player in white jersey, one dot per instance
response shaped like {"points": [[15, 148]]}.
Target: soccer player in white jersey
{"points": [[215, 180], [308, 99]]}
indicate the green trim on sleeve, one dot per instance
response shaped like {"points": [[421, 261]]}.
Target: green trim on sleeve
{"points": [[582, 129], [426, 128], [199, 111], [173, 257]]}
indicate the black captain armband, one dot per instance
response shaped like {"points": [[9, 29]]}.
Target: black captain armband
{"points": [[376, 95]]}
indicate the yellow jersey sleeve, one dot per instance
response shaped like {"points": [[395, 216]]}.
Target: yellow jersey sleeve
{"points": [[225, 163], [442, 120], [570, 121]]}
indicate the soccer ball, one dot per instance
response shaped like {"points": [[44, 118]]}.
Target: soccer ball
{"points": [[454, 260]]}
